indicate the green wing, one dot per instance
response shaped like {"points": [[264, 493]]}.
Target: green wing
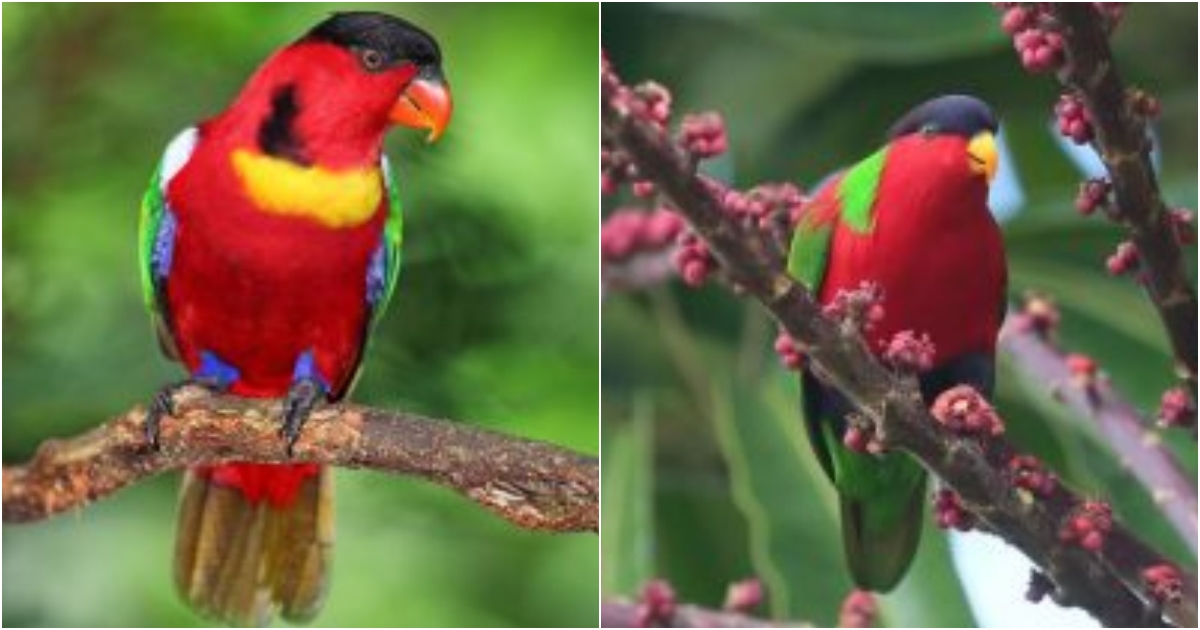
{"points": [[390, 248], [849, 199], [156, 237], [881, 497]]}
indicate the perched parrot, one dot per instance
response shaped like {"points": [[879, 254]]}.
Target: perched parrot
{"points": [[913, 219], [270, 245]]}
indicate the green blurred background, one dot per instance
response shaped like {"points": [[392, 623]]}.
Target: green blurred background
{"points": [[707, 478], [494, 319]]}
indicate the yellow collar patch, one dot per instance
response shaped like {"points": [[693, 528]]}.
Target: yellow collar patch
{"points": [[335, 199]]}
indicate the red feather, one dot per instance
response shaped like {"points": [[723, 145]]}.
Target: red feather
{"points": [[259, 289], [935, 250]]}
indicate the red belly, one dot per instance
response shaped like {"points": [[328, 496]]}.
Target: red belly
{"points": [[942, 274], [258, 290]]}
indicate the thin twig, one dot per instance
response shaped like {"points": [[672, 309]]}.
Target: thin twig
{"points": [[1138, 446], [1124, 147], [1107, 583], [531, 484]]}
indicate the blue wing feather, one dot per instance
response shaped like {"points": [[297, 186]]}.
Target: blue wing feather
{"points": [[156, 235]]}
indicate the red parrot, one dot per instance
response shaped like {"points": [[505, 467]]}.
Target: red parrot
{"points": [[270, 245], [913, 219]]}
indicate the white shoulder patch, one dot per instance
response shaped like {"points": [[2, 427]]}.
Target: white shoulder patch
{"points": [[386, 167], [177, 155]]}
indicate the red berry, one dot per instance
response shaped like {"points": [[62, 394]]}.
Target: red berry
{"points": [[1015, 20], [695, 272], [1092, 541]]}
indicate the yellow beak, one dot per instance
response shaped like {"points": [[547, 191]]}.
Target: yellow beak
{"points": [[981, 151]]}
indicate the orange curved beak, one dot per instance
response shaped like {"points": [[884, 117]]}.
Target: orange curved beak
{"points": [[424, 104]]}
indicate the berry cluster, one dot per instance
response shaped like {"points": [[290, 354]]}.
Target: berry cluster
{"points": [[703, 135], [1083, 369], [652, 103], [1040, 48], [789, 352], [949, 512], [1183, 224], [1093, 194], [1088, 525], [858, 610], [1124, 260], [628, 232], [1074, 121], [693, 260], [1029, 474], [656, 607], [964, 410], [1039, 315], [1164, 583], [1176, 408], [906, 351], [744, 596], [861, 308], [615, 170], [767, 206], [860, 437]]}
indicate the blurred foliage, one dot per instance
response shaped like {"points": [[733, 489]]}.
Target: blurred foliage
{"points": [[492, 320], [692, 393]]}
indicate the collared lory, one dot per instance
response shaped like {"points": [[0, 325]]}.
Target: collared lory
{"points": [[270, 245], [911, 219]]}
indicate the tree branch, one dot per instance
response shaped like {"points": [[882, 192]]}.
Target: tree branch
{"points": [[1139, 447], [531, 484], [1124, 147], [1108, 583]]}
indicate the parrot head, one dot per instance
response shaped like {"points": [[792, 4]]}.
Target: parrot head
{"points": [[962, 128], [383, 67], [330, 97]]}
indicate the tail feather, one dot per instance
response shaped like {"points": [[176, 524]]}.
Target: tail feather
{"points": [[242, 558], [880, 537]]}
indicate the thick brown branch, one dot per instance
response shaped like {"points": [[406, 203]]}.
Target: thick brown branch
{"points": [[532, 484], [1124, 147], [1108, 584], [1138, 446]]}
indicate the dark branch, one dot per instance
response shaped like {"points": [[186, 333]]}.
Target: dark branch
{"points": [[1124, 147], [1138, 446], [532, 484], [1107, 583]]}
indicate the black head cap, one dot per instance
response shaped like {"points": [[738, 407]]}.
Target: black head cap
{"points": [[394, 39], [955, 114]]}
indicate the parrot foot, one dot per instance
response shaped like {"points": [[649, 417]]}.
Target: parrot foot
{"points": [[162, 405], [302, 397], [213, 374]]}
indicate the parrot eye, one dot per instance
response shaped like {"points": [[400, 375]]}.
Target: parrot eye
{"points": [[371, 59], [929, 129]]}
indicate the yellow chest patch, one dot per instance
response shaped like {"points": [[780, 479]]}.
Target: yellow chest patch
{"points": [[336, 199]]}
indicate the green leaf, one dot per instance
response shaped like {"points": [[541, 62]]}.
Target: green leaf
{"points": [[867, 31], [627, 526], [780, 490]]}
